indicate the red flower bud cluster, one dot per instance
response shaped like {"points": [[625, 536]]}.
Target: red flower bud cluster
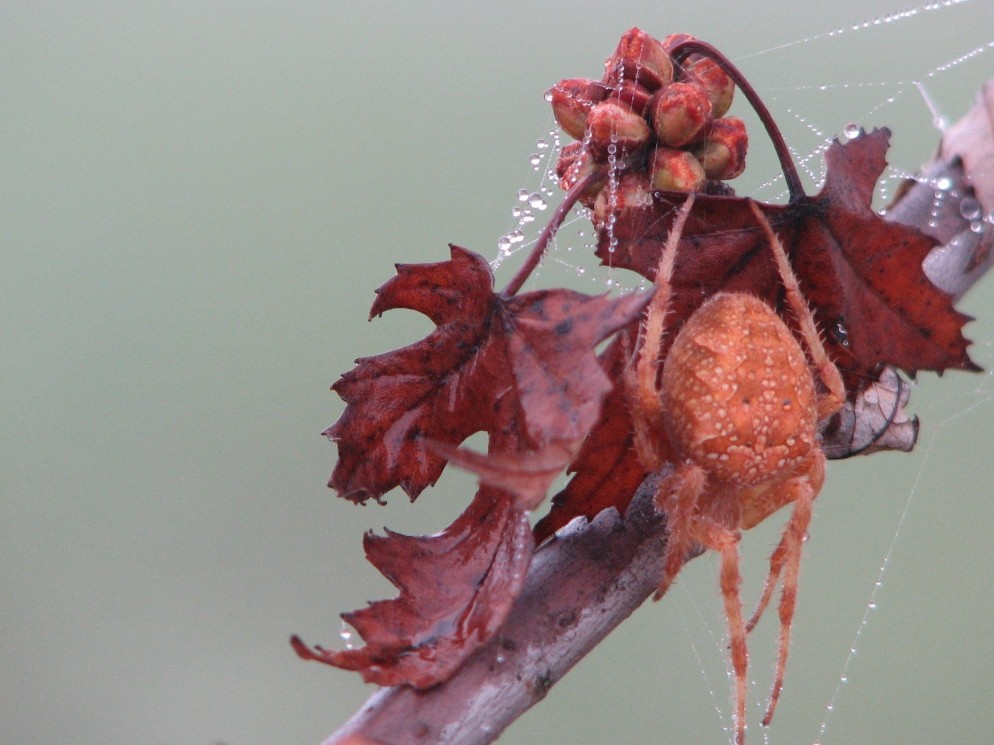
{"points": [[665, 123]]}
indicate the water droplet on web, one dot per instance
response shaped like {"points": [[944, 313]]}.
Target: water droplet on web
{"points": [[944, 183], [516, 237], [851, 130], [536, 201], [535, 159], [527, 217], [516, 212], [872, 606], [503, 244], [969, 208], [523, 195], [541, 144]]}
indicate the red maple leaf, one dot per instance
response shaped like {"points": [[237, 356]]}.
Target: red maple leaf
{"points": [[522, 369], [861, 274]]}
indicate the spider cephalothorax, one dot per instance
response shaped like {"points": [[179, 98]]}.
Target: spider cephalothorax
{"points": [[738, 402]]}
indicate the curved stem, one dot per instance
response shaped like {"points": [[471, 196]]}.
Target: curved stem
{"points": [[694, 46], [542, 243]]}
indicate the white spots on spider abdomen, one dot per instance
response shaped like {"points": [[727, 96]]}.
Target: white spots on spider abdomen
{"points": [[737, 394]]}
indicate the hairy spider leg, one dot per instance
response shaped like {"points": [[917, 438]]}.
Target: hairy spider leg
{"points": [[834, 395], [645, 379]]}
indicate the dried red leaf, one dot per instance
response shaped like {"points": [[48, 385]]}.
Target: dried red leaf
{"points": [[861, 275], [522, 369], [607, 469], [456, 589]]}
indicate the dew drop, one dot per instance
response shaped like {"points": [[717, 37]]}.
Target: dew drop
{"points": [[523, 195], [503, 244], [872, 606], [541, 144], [851, 130], [535, 159], [977, 227], [535, 200], [548, 95], [516, 212], [346, 634], [969, 208], [944, 183], [516, 237]]}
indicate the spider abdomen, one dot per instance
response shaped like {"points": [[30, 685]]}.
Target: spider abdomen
{"points": [[737, 395]]}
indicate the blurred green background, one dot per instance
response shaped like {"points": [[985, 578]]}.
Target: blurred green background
{"points": [[196, 203]]}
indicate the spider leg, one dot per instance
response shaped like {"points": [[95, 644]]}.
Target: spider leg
{"points": [[642, 378], [828, 373], [726, 542], [677, 498], [792, 543], [776, 568], [647, 368]]}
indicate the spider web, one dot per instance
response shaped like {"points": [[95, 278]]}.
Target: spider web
{"points": [[894, 591]]}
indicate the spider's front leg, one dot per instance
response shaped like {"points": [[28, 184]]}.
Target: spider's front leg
{"points": [[642, 379]]}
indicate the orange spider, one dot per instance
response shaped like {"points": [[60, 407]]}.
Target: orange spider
{"points": [[739, 402]]}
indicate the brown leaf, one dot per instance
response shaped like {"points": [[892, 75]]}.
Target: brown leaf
{"points": [[971, 139], [876, 421], [456, 589]]}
